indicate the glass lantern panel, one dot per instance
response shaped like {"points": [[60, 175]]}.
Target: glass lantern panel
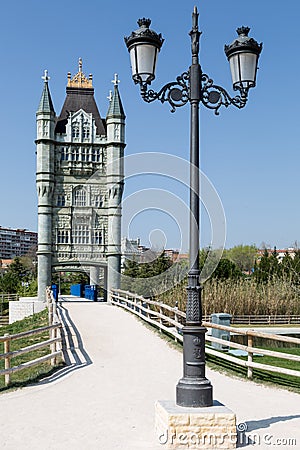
{"points": [[133, 61], [146, 58], [243, 69], [234, 69], [248, 63]]}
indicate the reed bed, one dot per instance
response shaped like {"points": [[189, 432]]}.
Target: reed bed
{"points": [[241, 297]]}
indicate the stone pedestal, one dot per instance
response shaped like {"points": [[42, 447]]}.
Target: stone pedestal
{"points": [[212, 427]]}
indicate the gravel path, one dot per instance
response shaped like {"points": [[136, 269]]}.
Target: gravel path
{"points": [[104, 399]]}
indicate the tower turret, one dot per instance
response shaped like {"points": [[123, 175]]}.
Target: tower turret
{"points": [[115, 121], [45, 119]]}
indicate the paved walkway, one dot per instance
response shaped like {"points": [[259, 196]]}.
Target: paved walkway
{"points": [[104, 399]]}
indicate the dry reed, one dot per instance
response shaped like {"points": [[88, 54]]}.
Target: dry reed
{"points": [[242, 297]]}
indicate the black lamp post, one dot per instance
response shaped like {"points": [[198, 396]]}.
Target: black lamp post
{"points": [[194, 389]]}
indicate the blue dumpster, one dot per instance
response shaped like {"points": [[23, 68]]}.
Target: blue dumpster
{"points": [[54, 289], [77, 290], [91, 292]]}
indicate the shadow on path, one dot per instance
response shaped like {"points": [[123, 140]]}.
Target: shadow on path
{"points": [[74, 353], [265, 423], [246, 429]]}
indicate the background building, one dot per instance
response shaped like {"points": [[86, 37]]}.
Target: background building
{"points": [[16, 242]]}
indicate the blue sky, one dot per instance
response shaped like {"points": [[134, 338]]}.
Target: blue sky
{"points": [[251, 155]]}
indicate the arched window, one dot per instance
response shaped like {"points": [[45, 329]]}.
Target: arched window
{"points": [[79, 197], [75, 130]]}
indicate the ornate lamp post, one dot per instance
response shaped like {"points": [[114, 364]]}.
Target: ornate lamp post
{"points": [[193, 86]]}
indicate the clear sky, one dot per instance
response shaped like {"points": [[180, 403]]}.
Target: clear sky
{"points": [[251, 156]]}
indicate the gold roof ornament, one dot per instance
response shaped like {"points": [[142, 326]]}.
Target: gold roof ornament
{"points": [[80, 80]]}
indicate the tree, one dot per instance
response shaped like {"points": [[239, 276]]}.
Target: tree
{"points": [[142, 277], [227, 269], [286, 267], [243, 256], [262, 270]]}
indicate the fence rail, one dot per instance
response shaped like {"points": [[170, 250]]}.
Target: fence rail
{"points": [[171, 321], [54, 342], [4, 320], [8, 297], [262, 319], [4, 300]]}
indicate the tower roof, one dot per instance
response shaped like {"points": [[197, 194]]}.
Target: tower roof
{"points": [[115, 107], [80, 95], [46, 104]]}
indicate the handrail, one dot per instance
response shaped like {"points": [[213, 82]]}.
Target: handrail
{"points": [[146, 310], [54, 342]]}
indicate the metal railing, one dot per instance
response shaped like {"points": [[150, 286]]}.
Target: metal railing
{"points": [[170, 320], [54, 342]]}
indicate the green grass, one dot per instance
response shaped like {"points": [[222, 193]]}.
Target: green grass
{"points": [[261, 376], [271, 378], [33, 374]]}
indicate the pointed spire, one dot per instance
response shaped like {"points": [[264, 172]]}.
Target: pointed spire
{"points": [[115, 107], [46, 104]]}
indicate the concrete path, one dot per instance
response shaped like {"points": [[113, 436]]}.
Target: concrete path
{"points": [[104, 399]]}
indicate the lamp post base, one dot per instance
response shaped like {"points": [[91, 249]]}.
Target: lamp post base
{"points": [[194, 390], [194, 393]]}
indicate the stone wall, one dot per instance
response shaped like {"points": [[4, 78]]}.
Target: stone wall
{"points": [[26, 306]]}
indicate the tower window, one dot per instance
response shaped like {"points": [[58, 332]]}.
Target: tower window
{"points": [[98, 201], [75, 154], [80, 197], [75, 130], [84, 154], [96, 154], [81, 234], [64, 154], [86, 131], [62, 237], [61, 201], [97, 237]]}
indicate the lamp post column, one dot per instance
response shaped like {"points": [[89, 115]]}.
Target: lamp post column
{"points": [[194, 390]]}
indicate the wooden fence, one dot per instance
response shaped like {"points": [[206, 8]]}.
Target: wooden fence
{"points": [[54, 342], [4, 300], [171, 320]]}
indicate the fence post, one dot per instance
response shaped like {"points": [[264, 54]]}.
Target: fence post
{"points": [[7, 359], [250, 355], [160, 319], [53, 346], [176, 319]]}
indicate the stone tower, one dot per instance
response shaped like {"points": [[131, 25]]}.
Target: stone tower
{"points": [[80, 184]]}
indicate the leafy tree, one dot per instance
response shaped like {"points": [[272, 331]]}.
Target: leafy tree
{"points": [[140, 277], [227, 269], [243, 256]]}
